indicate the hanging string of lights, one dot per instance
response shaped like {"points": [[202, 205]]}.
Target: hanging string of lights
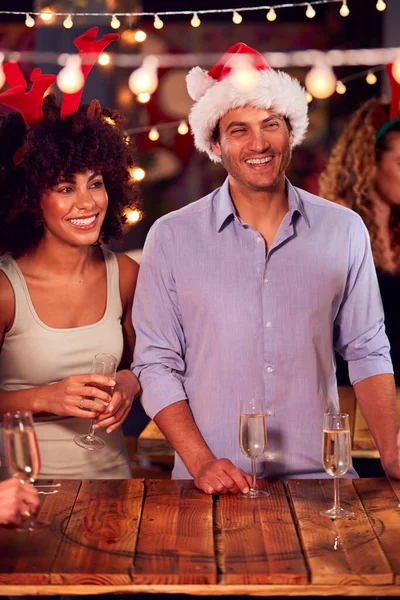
{"points": [[47, 15]]}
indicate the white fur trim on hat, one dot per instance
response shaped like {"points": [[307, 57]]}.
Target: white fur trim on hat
{"points": [[274, 89]]}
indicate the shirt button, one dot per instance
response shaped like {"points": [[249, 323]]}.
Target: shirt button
{"points": [[265, 280], [268, 324], [259, 239], [269, 369], [269, 413]]}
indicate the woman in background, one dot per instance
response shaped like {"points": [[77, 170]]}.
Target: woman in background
{"points": [[363, 173]]}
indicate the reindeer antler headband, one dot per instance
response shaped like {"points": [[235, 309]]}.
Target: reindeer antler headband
{"points": [[394, 116], [29, 104]]}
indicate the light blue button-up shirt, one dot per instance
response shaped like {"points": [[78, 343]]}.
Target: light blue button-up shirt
{"points": [[241, 324]]}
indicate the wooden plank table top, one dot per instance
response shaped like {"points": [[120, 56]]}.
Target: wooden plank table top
{"points": [[147, 536]]}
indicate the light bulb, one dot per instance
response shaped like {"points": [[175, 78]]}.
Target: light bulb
{"points": [[68, 23], [183, 128], [144, 79], [140, 35], [138, 174], [340, 88], [134, 216], [29, 21], [396, 70], [237, 18], [70, 79], [371, 78], [271, 15], [154, 134], [309, 97], [143, 97], [46, 15], [321, 82], [104, 59], [115, 23], [310, 12], [344, 9], [380, 5], [158, 23], [244, 76], [195, 22]]}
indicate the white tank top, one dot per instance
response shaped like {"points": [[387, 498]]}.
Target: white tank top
{"points": [[34, 354]]}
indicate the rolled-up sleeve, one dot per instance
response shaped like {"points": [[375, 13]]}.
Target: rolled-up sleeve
{"points": [[160, 346], [359, 332]]}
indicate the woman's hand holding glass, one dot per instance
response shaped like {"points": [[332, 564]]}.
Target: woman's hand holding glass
{"points": [[126, 389]]}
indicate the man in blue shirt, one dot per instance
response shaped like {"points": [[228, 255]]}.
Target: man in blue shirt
{"points": [[247, 292]]}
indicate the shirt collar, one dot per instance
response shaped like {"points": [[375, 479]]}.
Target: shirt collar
{"points": [[226, 211]]}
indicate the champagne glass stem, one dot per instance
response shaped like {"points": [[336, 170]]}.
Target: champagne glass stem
{"points": [[253, 468], [336, 503], [91, 430]]}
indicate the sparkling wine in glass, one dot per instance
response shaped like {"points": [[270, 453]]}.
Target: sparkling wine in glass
{"points": [[336, 457], [252, 439], [22, 454], [103, 364]]}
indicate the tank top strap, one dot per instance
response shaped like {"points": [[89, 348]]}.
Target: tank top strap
{"points": [[23, 309], [113, 291]]}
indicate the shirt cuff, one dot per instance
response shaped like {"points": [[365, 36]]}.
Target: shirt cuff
{"points": [[162, 392], [368, 367]]}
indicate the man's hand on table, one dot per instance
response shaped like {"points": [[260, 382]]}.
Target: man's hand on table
{"points": [[220, 476]]}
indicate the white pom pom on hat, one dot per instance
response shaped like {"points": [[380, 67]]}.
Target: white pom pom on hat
{"points": [[214, 95]]}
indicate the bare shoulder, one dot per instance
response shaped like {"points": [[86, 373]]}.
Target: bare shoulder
{"points": [[7, 303], [128, 274]]}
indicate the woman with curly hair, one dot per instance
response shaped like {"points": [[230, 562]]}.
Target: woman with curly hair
{"points": [[363, 173], [65, 185]]}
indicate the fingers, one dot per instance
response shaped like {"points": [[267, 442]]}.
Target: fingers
{"points": [[222, 477]]}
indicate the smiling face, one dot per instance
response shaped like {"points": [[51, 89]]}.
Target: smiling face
{"points": [[74, 209], [255, 148]]}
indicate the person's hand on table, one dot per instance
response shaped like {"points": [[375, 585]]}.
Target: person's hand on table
{"points": [[75, 396], [17, 501], [126, 389], [220, 476]]}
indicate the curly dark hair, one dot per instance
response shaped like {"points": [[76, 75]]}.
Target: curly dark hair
{"points": [[93, 138], [347, 177]]}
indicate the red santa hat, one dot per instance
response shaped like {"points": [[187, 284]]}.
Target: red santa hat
{"points": [[215, 93]]}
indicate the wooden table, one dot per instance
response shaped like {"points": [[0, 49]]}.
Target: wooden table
{"points": [[166, 536]]}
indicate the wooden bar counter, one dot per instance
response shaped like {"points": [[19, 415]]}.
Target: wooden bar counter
{"points": [[148, 536]]}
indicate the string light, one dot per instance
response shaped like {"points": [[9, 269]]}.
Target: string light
{"points": [[68, 23], [310, 12], [309, 97], [396, 70], [380, 5], [144, 80], [158, 23], [115, 23], [140, 35], [244, 75], [340, 88], [344, 9], [271, 15], [104, 59], [70, 79], [237, 18], [143, 97], [195, 22], [138, 174], [183, 128], [371, 78], [134, 216], [154, 134], [321, 82], [29, 22], [46, 14]]}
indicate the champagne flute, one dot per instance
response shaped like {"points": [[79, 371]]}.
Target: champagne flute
{"points": [[22, 455], [336, 457], [103, 364], [252, 439]]}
